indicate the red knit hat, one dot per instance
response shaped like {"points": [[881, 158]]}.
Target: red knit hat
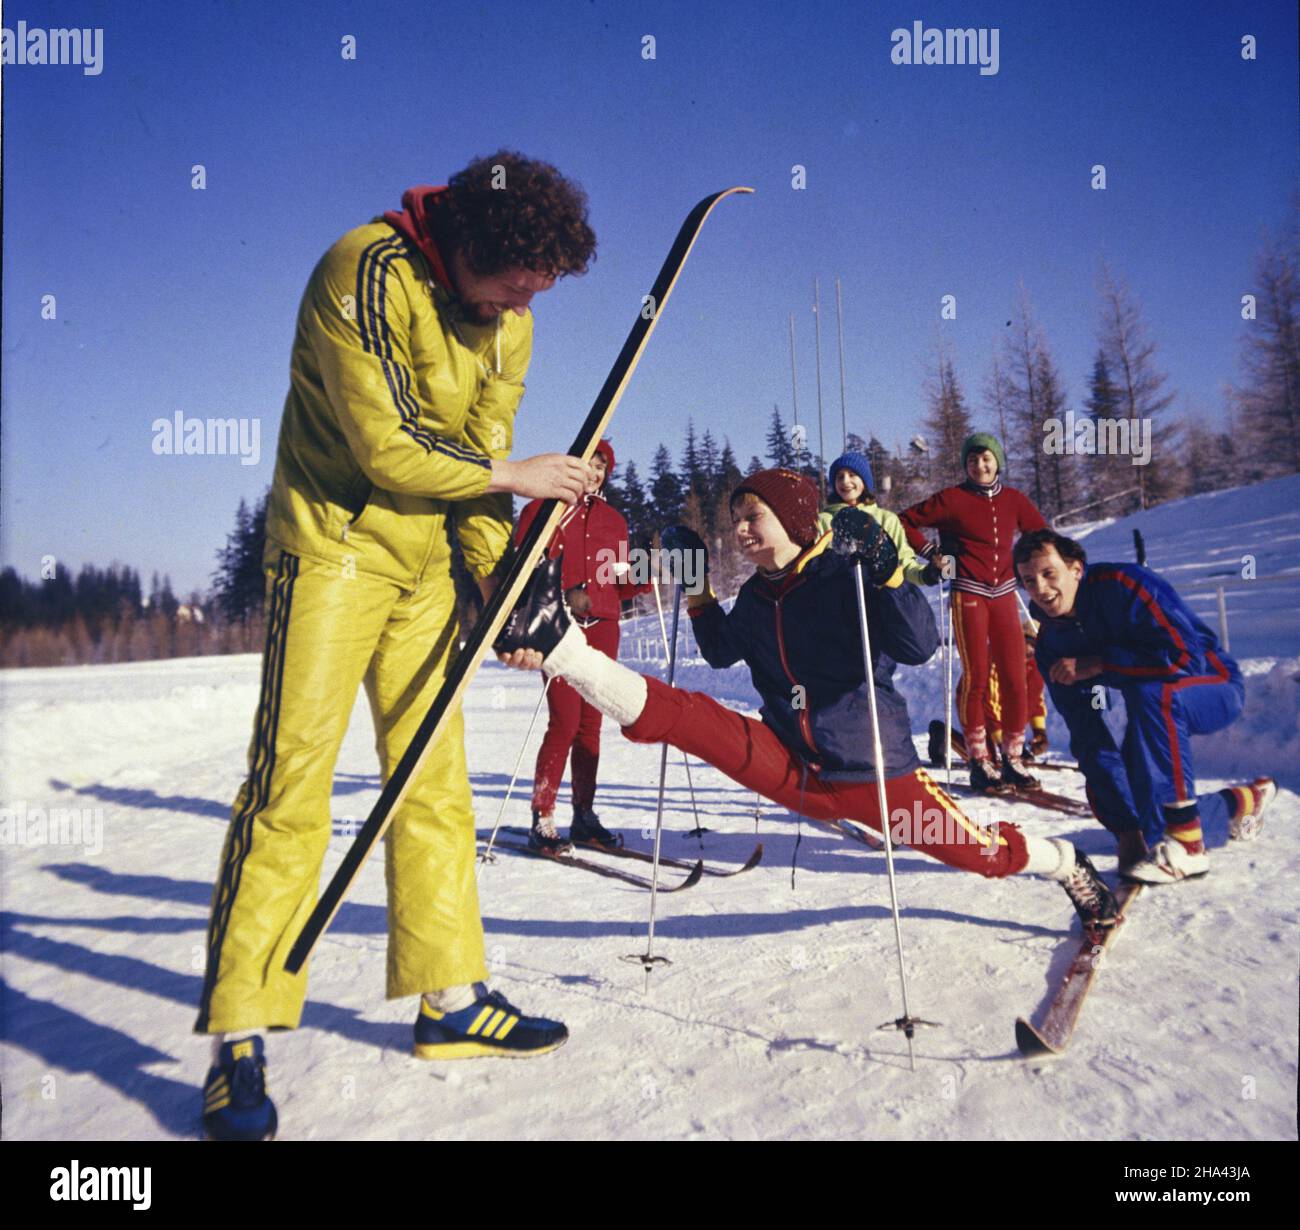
{"points": [[791, 497]]}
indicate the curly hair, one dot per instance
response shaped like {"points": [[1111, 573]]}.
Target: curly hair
{"points": [[506, 211]]}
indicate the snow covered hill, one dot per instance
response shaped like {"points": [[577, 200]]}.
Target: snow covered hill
{"points": [[763, 1026]]}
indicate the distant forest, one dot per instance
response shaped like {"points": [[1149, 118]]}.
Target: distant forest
{"points": [[103, 615]]}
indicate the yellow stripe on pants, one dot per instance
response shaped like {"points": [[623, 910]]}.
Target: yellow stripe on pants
{"points": [[339, 631]]}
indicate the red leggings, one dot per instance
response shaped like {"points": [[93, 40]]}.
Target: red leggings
{"points": [[573, 726], [921, 815], [988, 630]]}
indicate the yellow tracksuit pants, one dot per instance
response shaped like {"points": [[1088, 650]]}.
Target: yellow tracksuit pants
{"points": [[327, 634]]}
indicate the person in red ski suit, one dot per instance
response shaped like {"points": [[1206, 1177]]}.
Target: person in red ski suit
{"points": [[592, 541], [984, 516]]}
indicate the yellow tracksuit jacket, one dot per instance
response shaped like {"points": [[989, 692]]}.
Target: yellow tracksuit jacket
{"points": [[396, 404]]}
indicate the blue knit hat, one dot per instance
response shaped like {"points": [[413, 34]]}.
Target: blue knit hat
{"points": [[858, 463]]}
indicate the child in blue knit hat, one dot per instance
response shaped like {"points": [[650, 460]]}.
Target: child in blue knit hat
{"points": [[850, 478]]}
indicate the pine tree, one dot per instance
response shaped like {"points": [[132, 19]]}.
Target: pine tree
{"points": [[996, 399], [1268, 406], [1109, 476], [780, 449], [1024, 407], [238, 585], [1210, 459], [947, 422], [1139, 386], [666, 495], [755, 464], [1063, 479], [634, 507]]}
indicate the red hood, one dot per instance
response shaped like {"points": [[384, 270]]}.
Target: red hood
{"points": [[413, 222]]}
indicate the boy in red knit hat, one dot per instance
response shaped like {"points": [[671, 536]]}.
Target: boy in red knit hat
{"points": [[795, 625]]}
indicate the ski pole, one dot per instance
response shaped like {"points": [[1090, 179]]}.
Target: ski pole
{"points": [[671, 653], [907, 1023], [945, 621], [487, 856], [648, 960]]}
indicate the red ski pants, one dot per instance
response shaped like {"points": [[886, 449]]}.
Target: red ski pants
{"points": [[921, 814], [572, 733], [987, 631], [1036, 701]]}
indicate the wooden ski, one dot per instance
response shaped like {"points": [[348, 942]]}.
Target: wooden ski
{"points": [[508, 591], [1052, 1037]]}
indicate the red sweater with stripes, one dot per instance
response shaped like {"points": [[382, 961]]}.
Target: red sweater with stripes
{"points": [[985, 522]]}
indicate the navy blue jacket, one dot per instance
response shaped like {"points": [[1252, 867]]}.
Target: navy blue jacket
{"points": [[801, 642], [1144, 633], [1135, 622]]}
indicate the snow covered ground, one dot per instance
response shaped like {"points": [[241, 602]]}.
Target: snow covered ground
{"points": [[765, 1024]]}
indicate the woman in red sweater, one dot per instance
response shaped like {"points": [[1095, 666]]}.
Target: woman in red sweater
{"points": [[587, 535], [984, 516]]}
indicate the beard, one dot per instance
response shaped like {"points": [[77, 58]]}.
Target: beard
{"points": [[479, 313]]}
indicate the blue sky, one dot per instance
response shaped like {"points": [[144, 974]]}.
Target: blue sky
{"points": [[921, 181]]}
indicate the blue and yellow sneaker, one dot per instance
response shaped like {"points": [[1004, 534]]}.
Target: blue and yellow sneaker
{"points": [[491, 1025], [235, 1105]]}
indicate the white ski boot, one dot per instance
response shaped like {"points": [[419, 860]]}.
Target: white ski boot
{"points": [[1168, 862]]}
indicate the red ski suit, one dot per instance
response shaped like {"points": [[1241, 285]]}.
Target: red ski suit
{"points": [[985, 614], [590, 537]]}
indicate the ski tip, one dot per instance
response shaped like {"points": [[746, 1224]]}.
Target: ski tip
{"points": [[1032, 1044]]}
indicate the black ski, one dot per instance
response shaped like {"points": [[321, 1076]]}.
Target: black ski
{"points": [[678, 863], [498, 609], [603, 869]]}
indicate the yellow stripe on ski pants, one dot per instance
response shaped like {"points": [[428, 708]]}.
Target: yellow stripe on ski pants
{"points": [[327, 634]]}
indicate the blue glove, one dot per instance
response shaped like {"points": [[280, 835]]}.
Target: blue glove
{"points": [[857, 535]]}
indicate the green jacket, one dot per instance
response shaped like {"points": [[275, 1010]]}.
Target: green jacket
{"points": [[396, 404], [912, 565]]}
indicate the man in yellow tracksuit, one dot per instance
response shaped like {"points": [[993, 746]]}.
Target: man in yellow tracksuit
{"points": [[412, 343]]}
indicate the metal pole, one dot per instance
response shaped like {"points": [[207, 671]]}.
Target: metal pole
{"points": [[794, 379], [1223, 620], [905, 1022], [844, 413], [650, 960], [821, 429], [945, 620], [670, 654], [487, 856]]}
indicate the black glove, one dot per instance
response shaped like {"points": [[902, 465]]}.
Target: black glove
{"points": [[933, 573], [683, 538], [857, 535]]}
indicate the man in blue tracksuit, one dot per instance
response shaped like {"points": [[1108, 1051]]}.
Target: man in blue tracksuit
{"points": [[1122, 627]]}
